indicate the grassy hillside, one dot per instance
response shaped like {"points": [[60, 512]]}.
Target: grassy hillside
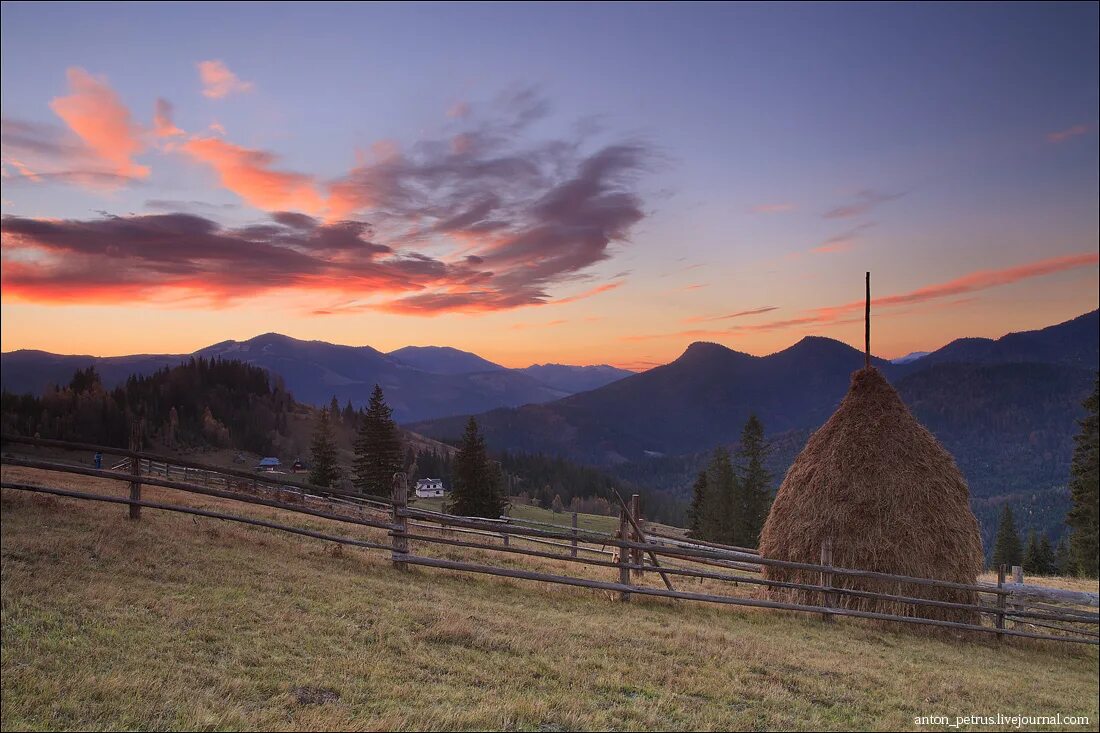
{"points": [[181, 622]]}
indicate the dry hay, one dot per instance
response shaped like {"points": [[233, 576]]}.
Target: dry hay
{"points": [[890, 497]]}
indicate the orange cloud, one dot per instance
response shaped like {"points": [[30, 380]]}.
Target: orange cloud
{"points": [[218, 82], [1063, 135], [96, 114], [248, 173]]}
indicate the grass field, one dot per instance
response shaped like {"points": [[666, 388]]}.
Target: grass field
{"points": [[186, 622]]}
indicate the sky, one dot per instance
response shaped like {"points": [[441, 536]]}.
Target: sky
{"points": [[572, 183]]}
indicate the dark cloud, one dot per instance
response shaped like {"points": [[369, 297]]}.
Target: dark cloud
{"points": [[518, 217], [44, 258]]}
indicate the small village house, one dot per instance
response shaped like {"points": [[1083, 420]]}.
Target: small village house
{"points": [[429, 487], [269, 464]]}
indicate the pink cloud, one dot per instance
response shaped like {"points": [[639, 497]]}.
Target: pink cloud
{"points": [[771, 208], [97, 115], [249, 174], [218, 82], [739, 314], [1063, 135]]}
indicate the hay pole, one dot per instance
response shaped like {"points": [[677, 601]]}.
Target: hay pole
{"points": [[867, 325], [192, 510]]}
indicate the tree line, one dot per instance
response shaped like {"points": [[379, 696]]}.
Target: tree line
{"points": [[1078, 555], [200, 402]]}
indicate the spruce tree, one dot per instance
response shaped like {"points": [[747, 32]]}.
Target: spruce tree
{"points": [[323, 470], [722, 499], [1047, 559], [1006, 548], [1084, 478], [755, 484], [1063, 562], [698, 506], [476, 490], [377, 448], [1033, 561]]}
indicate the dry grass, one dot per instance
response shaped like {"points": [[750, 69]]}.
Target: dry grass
{"points": [[180, 622]]}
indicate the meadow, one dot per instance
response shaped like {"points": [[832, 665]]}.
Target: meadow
{"points": [[184, 622]]}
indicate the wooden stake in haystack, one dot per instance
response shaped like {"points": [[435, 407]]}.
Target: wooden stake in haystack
{"points": [[867, 325]]}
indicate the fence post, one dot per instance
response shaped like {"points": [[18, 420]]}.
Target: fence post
{"points": [[573, 542], [636, 554], [624, 553], [135, 472], [1017, 575], [504, 534], [400, 545], [1000, 600], [826, 576]]}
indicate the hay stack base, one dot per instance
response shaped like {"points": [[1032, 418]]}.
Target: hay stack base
{"points": [[890, 498]]}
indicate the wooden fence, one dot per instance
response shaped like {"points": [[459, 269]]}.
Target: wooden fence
{"points": [[631, 553]]}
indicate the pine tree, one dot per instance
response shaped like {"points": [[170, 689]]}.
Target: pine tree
{"points": [[755, 484], [323, 470], [1033, 561], [557, 506], [1084, 478], [1047, 559], [722, 499], [477, 481], [1006, 548], [334, 409], [377, 448], [1063, 561], [698, 506]]}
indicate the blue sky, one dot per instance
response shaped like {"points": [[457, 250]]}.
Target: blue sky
{"points": [[948, 139]]}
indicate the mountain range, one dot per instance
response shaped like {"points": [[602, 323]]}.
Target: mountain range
{"points": [[420, 382]]}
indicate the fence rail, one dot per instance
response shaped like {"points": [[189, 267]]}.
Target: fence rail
{"points": [[1011, 609]]}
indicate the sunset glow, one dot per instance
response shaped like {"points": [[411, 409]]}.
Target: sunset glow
{"points": [[324, 172]]}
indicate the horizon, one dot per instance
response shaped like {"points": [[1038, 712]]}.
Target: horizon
{"points": [[680, 353], [491, 195]]}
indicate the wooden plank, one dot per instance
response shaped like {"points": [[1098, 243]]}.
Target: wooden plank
{"points": [[142, 455], [827, 577], [1083, 598], [691, 554], [400, 544], [573, 552], [194, 489], [730, 600], [197, 512], [641, 543], [1000, 619], [624, 570], [135, 473]]}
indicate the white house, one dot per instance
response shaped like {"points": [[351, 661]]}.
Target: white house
{"points": [[429, 487]]}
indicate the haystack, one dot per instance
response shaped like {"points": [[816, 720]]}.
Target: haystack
{"points": [[890, 498]]}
